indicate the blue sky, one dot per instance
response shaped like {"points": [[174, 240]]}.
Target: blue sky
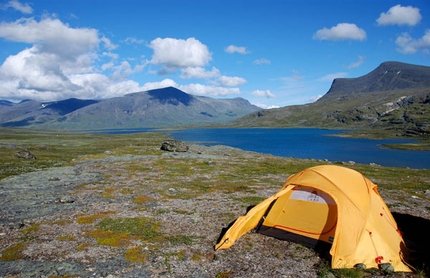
{"points": [[272, 53]]}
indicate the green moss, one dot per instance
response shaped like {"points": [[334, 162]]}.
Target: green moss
{"points": [[180, 239], [184, 212], [126, 191], [83, 246], [66, 238], [349, 273], [142, 199], [111, 238], [142, 227], [13, 252], [31, 229], [30, 232], [135, 254], [89, 219]]}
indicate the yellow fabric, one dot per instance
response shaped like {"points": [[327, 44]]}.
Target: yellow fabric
{"points": [[303, 215], [344, 204]]}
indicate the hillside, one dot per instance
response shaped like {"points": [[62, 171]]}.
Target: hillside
{"points": [[166, 107], [395, 97]]}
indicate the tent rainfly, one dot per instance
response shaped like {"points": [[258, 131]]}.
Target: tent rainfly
{"points": [[332, 205]]}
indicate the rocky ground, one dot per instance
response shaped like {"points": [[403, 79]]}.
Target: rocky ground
{"points": [[152, 216]]}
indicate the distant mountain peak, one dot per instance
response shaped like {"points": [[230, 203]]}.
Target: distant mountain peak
{"points": [[388, 76], [165, 107], [170, 95]]}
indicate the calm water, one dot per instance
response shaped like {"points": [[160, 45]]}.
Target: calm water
{"points": [[308, 143]]}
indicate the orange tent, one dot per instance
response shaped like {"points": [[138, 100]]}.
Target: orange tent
{"points": [[332, 205]]}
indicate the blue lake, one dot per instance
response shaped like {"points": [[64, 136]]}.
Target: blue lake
{"points": [[308, 143]]}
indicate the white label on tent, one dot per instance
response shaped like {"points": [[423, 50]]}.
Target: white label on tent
{"points": [[312, 195]]}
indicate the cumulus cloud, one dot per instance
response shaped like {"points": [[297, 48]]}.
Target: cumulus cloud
{"points": [[199, 72], [231, 81], [108, 44], [265, 106], [162, 84], [60, 63], [177, 53], [52, 36], [98, 86], [236, 49], [215, 77], [342, 31], [408, 45], [357, 63], [400, 15], [263, 93], [16, 5], [262, 61], [210, 91], [124, 70]]}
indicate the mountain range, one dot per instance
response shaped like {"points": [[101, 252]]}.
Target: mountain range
{"points": [[166, 107], [395, 96]]}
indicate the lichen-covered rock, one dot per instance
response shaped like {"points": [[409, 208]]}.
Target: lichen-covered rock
{"points": [[24, 154], [174, 146]]}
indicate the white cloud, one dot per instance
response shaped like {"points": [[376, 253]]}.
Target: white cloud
{"points": [[14, 4], [177, 53], [162, 84], [357, 63], [122, 71], [342, 31], [51, 35], [60, 63], [33, 72], [133, 40], [408, 45], [111, 55], [231, 81], [262, 61], [99, 86], [236, 49], [331, 76], [315, 98], [265, 106], [108, 44], [400, 15], [211, 91], [199, 72], [107, 66], [261, 93]]}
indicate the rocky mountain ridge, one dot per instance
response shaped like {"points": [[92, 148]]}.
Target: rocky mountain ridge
{"points": [[388, 76], [395, 96], [166, 107]]}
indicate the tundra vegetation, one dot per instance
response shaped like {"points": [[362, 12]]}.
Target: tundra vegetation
{"points": [[162, 212]]}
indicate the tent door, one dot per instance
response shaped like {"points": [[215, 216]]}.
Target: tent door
{"points": [[306, 215]]}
